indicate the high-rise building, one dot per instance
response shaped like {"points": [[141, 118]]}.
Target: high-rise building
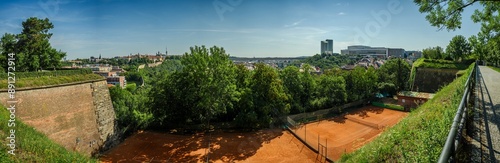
{"points": [[327, 46], [324, 46]]}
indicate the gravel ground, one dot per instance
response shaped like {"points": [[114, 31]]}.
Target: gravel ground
{"points": [[489, 100]]}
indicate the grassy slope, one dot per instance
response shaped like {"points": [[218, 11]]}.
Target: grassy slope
{"points": [[419, 137], [440, 64], [46, 80], [495, 68], [32, 146]]}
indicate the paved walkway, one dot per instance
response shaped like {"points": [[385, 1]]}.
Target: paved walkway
{"points": [[489, 108]]}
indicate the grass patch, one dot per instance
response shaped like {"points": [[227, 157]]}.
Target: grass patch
{"points": [[32, 146], [49, 80], [420, 137], [440, 64], [63, 72], [495, 68]]}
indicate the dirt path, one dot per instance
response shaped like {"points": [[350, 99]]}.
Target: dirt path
{"points": [[489, 102]]}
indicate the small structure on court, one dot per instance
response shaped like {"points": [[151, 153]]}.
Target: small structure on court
{"points": [[409, 99]]}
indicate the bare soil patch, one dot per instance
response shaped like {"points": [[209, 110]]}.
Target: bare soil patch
{"points": [[271, 145]]}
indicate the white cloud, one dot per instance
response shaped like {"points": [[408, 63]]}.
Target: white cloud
{"points": [[343, 4], [294, 23], [209, 30], [341, 13]]}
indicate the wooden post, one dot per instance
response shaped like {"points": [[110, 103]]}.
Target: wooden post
{"points": [[318, 144]]}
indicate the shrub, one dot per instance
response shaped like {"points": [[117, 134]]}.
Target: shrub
{"points": [[389, 106]]}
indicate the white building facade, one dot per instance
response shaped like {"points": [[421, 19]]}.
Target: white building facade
{"points": [[379, 52]]}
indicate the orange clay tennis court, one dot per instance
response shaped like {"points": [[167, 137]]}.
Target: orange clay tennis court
{"points": [[344, 134], [340, 134]]}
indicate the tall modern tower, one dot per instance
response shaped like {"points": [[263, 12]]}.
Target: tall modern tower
{"points": [[327, 46], [324, 47]]}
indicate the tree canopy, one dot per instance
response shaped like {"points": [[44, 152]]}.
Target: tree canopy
{"points": [[394, 76], [32, 47], [206, 86], [448, 14], [459, 48], [434, 53]]}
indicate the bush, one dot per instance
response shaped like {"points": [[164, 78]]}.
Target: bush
{"points": [[389, 106]]}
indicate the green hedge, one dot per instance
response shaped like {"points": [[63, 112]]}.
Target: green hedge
{"points": [[48, 73], [389, 106]]}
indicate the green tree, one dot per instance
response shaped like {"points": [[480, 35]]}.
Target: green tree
{"points": [[32, 47], [292, 82], [332, 91], [269, 97], [131, 108], [243, 111], [371, 82], [394, 76], [478, 46], [493, 53], [448, 14], [361, 83], [7, 44], [204, 89], [308, 85], [326, 61], [434, 53], [458, 48]]}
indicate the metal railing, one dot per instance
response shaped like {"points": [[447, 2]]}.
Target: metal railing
{"points": [[452, 141]]}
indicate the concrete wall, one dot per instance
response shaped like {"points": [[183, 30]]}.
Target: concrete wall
{"points": [[430, 80], [79, 117]]}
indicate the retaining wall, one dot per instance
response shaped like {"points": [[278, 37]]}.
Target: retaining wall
{"points": [[78, 116]]}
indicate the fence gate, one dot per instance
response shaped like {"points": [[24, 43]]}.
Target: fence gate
{"points": [[323, 150]]}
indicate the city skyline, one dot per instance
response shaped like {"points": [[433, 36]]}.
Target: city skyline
{"points": [[244, 28]]}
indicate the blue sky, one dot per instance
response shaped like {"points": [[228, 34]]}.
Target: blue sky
{"points": [[245, 28]]}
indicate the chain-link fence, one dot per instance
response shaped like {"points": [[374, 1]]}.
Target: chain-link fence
{"points": [[296, 124]]}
